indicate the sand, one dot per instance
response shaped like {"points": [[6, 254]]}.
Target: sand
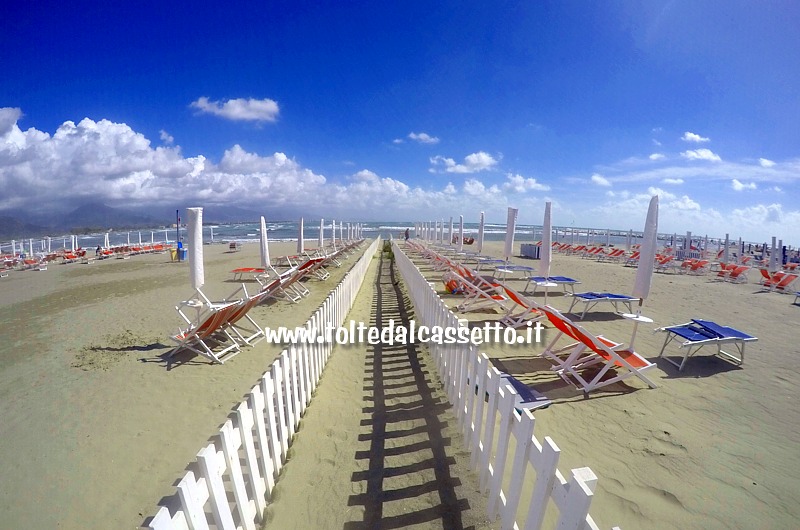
{"points": [[97, 430], [714, 446]]}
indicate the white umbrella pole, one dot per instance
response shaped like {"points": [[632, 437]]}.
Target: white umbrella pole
{"points": [[195, 229]]}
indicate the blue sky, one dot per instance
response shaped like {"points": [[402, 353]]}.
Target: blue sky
{"points": [[410, 110]]}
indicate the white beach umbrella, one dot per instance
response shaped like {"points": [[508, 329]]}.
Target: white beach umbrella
{"points": [[49, 241], [341, 231], [725, 252], [264, 243], [647, 255], [773, 256], [195, 229], [14, 247], [460, 233], [545, 256], [211, 228], [450, 235], [106, 243], [301, 244], [152, 237], [72, 242], [687, 243], [647, 258], [480, 234], [608, 237], [321, 241], [30, 248], [129, 238], [511, 226], [140, 237], [628, 241]]}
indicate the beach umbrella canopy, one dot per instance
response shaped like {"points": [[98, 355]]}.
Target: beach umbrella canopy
{"points": [[628, 241], [264, 243], [511, 226], [773, 255], [106, 243], [480, 234], [321, 242], [545, 254], [647, 256], [460, 233], [195, 229], [301, 245]]}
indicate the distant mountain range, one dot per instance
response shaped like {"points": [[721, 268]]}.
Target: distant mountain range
{"points": [[97, 217]]}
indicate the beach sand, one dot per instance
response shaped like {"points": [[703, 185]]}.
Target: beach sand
{"points": [[96, 429], [714, 446]]}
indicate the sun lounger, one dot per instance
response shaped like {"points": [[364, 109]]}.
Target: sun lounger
{"points": [[563, 281], [527, 397], [780, 282], [699, 333], [603, 356], [527, 310], [239, 273], [590, 300], [207, 332]]}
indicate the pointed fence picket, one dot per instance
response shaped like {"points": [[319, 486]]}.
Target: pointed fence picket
{"points": [[232, 479], [515, 469]]}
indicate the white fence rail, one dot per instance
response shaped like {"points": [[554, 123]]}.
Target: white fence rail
{"points": [[467, 377], [220, 492]]}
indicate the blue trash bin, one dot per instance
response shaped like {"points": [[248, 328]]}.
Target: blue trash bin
{"points": [[182, 254]]}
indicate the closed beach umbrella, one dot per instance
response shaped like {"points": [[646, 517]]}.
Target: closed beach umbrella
{"points": [[450, 238], [341, 231], [300, 242], [511, 226], [628, 241], [725, 257], [480, 234], [545, 256], [30, 247], [106, 243], [195, 229], [321, 242], [264, 243], [773, 255], [647, 256], [460, 233], [129, 238], [14, 247]]}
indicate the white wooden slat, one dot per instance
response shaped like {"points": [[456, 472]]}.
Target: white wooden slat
{"points": [[212, 466], [278, 393], [193, 494], [507, 396], [245, 506], [523, 434], [267, 454]]}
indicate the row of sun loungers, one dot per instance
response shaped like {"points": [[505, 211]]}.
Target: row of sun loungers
{"points": [[219, 330], [583, 349]]}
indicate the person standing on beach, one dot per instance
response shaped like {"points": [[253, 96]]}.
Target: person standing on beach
{"points": [[407, 234]]}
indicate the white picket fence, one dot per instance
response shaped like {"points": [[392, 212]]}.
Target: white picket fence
{"points": [[220, 493], [529, 478]]}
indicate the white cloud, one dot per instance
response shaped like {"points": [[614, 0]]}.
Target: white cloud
{"points": [[765, 162], [239, 109], [167, 138], [672, 181], [398, 141], [740, 186], [520, 184], [662, 194], [656, 143], [684, 203], [656, 156], [423, 138], [692, 137], [473, 163], [701, 154], [600, 180], [450, 189], [9, 116]]}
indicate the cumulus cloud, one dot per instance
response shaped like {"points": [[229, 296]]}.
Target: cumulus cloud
{"points": [[239, 109], [600, 180], [765, 162], [692, 137], [701, 154], [656, 156], [684, 203], [741, 186], [520, 184], [423, 138], [9, 116], [473, 163], [167, 138], [672, 181]]}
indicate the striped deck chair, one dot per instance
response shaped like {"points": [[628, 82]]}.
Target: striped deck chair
{"points": [[209, 332], [529, 310], [780, 283], [609, 361]]}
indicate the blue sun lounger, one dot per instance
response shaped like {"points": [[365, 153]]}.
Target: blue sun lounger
{"points": [[592, 299], [527, 397], [699, 333], [563, 281]]}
